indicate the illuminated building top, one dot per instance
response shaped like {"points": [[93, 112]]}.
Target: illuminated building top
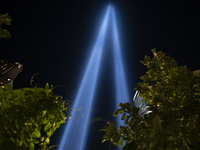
{"points": [[139, 102], [8, 72]]}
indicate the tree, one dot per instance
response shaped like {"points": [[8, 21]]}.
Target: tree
{"points": [[174, 123], [29, 116], [4, 19]]}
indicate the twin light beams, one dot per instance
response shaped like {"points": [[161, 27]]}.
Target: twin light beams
{"points": [[75, 134]]}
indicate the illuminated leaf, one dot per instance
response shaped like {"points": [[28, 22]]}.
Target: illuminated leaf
{"points": [[22, 113], [173, 92], [36, 133]]}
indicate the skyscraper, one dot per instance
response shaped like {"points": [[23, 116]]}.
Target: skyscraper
{"points": [[8, 72], [139, 102]]}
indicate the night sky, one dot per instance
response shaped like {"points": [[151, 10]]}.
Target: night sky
{"points": [[55, 39]]}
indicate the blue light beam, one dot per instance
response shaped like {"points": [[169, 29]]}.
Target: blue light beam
{"points": [[122, 95], [75, 134]]}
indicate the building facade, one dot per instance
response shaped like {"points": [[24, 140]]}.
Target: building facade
{"points": [[8, 72], [140, 103]]}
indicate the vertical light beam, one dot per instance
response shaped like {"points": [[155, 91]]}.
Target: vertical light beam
{"points": [[75, 134], [122, 95]]}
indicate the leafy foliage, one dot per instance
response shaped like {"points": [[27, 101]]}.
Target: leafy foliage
{"points": [[174, 123], [29, 116], [4, 19]]}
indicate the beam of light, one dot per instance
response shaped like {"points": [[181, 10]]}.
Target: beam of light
{"points": [[122, 95], [75, 134]]}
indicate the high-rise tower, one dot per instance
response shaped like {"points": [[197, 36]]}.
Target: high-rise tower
{"points": [[8, 72], [144, 108]]}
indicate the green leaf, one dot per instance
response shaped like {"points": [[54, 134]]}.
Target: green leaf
{"points": [[123, 116], [32, 146], [135, 110], [119, 111], [127, 119], [121, 142], [124, 106], [8, 88], [42, 139], [116, 139], [17, 91], [47, 140], [36, 133], [45, 121]]}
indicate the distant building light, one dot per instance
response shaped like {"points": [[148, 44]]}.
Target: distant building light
{"points": [[8, 79]]}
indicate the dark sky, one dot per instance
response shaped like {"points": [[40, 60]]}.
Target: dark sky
{"points": [[55, 39]]}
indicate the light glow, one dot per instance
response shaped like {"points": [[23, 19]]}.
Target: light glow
{"points": [[122, 95], [75, 134]]}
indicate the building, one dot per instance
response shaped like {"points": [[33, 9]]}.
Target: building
{"points": [[8, 72], [144, 107]]}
